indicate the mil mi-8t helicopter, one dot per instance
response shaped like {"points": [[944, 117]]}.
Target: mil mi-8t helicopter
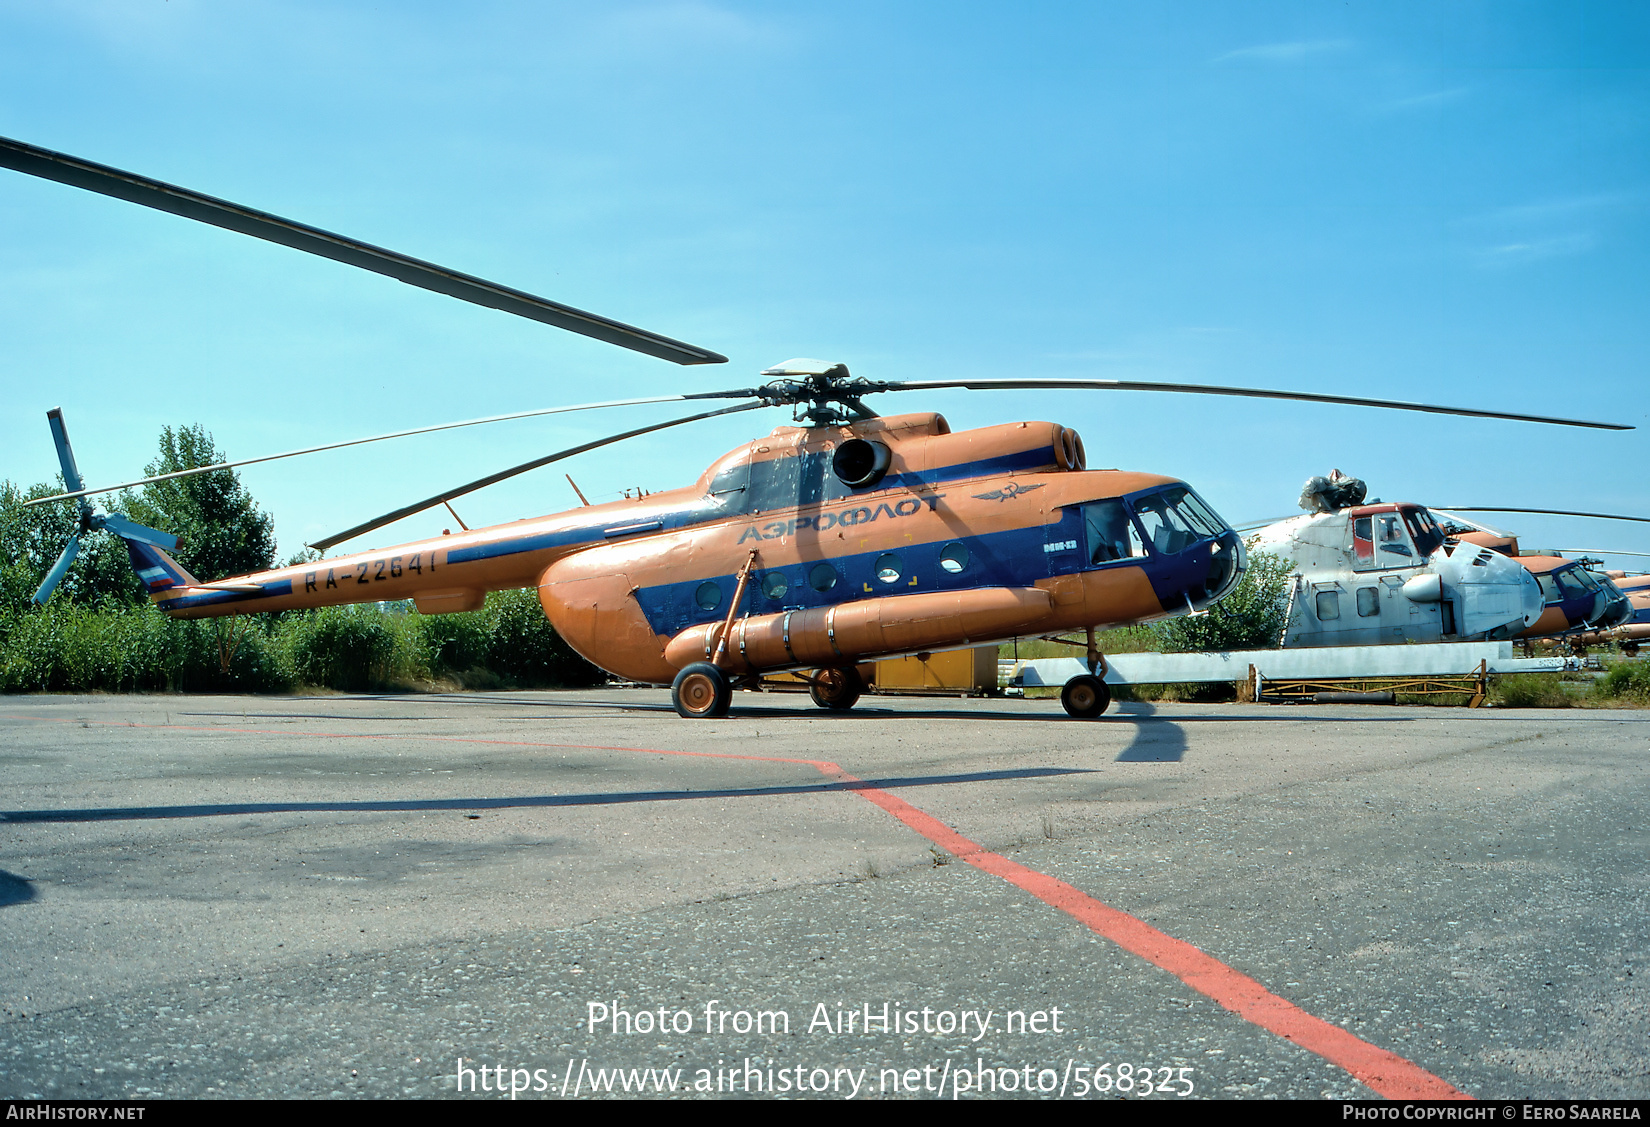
{"points": [[847, 538]]}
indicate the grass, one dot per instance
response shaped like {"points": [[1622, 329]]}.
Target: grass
{"points": [[1623, 684], [65, 647]]}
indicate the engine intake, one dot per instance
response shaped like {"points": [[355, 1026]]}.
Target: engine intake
{"points": [[860, 462]]}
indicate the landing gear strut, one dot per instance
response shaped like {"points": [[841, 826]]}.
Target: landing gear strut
{"points": [[1087, 696]]}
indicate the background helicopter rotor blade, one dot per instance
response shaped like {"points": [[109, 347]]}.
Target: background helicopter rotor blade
{"points": [[161, 196], [491, 479], [1536, 512], [67, 456], [1246, 392]]}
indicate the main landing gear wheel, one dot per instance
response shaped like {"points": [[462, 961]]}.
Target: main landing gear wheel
{"points": [[836, 689], [1085, 697], [701, 690]]}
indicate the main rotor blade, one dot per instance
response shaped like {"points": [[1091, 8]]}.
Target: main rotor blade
{"points": [[491, 479], [1537, 512], [57, 424], [1246, 392], [1599, 552], [161, 196]]}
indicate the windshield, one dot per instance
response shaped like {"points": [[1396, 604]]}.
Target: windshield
{"points": [[1572, 583], [1175, 518], [1428, 536]]}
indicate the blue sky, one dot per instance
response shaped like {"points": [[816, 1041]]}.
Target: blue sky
{"points": [[1429, 201]]}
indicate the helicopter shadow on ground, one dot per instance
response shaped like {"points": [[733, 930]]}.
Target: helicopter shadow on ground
{"points": [[229, 809], [14, 889], [1157, 739]]}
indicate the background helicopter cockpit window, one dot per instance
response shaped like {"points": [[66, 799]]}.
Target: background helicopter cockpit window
{"points": [[1573, 582], [1381, 541], [1392, 544], [1428, 536]]}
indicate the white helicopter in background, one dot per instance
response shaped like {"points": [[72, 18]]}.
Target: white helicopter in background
{"points": [[1379, 574], [1386, 573]]}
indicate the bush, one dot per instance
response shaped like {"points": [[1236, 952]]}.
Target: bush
{"points": [[451, 643], [1529, 690], [1625, 681], [348, 648], [66, 647], [522, 646], [1252, 617]]}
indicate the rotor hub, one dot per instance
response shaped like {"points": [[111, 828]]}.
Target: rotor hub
{"points": [[821, 393]]}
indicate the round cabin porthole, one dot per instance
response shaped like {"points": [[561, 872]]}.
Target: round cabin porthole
{"points": [[774, 585], [708, 596], [953, 557], [822, 577], [888, 568]]}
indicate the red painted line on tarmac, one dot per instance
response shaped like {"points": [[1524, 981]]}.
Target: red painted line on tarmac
{"points": [[1385, 1072], [1382, 1071]]}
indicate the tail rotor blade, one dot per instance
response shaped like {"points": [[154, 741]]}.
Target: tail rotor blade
{"points": [[65, 452], [132, 530], [58, 571]]}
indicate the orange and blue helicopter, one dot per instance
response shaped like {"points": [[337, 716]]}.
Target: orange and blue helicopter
{"points": [[813, 549]]}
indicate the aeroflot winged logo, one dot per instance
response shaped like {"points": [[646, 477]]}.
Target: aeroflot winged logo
{"points": [[1007, 492], [847, 518]]}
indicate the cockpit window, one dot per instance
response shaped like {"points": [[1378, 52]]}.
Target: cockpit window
{"points": [[1111, 535], [1428, 536], [1392, 547], [1571, 583], [1175, 518]]}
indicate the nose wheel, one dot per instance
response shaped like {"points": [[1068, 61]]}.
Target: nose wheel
{"points": [[1085, 697], [701, 691], [836, 689]]}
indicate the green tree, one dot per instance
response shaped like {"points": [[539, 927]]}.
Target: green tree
{"points": [[220, 529], [1250, 618]]}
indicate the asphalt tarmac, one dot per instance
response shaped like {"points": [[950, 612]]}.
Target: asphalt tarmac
{"points": [[564, 893]]}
